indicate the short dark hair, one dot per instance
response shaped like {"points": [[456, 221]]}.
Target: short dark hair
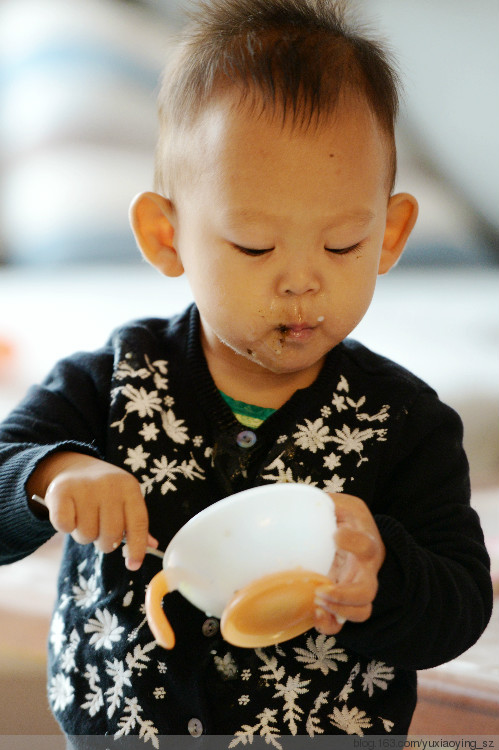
{"points": [[299, 56]]}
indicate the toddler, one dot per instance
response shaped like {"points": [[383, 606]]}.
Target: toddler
{"points": [[274, 194]]}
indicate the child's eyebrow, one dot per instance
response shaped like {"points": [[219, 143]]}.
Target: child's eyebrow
{"points": [[357, 216], [352, 216]]}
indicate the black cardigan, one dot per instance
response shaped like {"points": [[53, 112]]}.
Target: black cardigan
{"points": [[367, 427]]}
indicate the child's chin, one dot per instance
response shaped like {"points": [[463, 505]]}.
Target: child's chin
{"points": [[287, 364]]}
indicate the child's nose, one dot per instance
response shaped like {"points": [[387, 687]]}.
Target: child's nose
{"points": [[298, 279]]}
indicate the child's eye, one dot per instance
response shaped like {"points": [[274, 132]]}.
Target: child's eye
{"points": [[251, 251], [343, 250]]}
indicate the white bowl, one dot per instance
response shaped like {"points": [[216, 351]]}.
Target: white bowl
{"points": [[272, 529]]}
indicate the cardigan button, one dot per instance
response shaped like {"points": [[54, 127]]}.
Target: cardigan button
{"points": [[195, 727], [210, 627], [246, 439]]}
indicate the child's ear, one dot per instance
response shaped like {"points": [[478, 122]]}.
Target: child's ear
{"points": [[401, 217], [152, 218]]}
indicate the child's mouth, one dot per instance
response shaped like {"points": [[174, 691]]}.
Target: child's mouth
{"points": [[295, 331]]}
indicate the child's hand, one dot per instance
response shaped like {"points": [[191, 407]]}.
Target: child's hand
{"points": [[354, 574], [94, 501]]}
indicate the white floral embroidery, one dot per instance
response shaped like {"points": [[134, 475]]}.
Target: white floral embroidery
{"points": [[226, 665], [61, 692], [159, 381], [264, 728], [147, 484], [387, 724], [339, 403], [290, 691], [127, 723], [159, 693], [131, 719], [271, 666], [332, 461], [313, 726], [133, 634], [128, 598], [165, 473], [68, 662], [351, 721], [125, 370], [139, 659], [174, 428], [335, 484], [356, 404], [57, 634], [343, 384], [105, 629], [321, 654], [121, 678], [313, 436], [377, 674], [381, 416], [137, 458], [352, 440], [149, 431], [139, 400], [95, 699], [145, 403], [87, 592], [64, 600], [348, 686], [284, 475]]}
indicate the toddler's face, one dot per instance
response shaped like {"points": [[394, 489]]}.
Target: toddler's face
{"points": [[281, 233]]}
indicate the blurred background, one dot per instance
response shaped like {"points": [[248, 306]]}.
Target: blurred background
{"points": [[78, 123], [78, 84]]}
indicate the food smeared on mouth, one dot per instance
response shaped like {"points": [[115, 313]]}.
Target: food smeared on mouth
{"points": [[278, 339]]}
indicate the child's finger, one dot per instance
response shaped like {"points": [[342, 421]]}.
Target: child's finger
{"points": [[327, 622], [341, 613], [86, 520], [136, 529], [152, 544], [355, 611], [111, 527], [62, 512], [355, 593], [152, 541], [362, 545]]}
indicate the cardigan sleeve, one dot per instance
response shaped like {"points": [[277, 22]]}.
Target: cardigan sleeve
{"points": [[435, 594], [67, 412]]}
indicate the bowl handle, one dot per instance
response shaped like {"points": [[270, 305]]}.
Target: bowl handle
{"points": [[272, 609], [160, 627]]}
